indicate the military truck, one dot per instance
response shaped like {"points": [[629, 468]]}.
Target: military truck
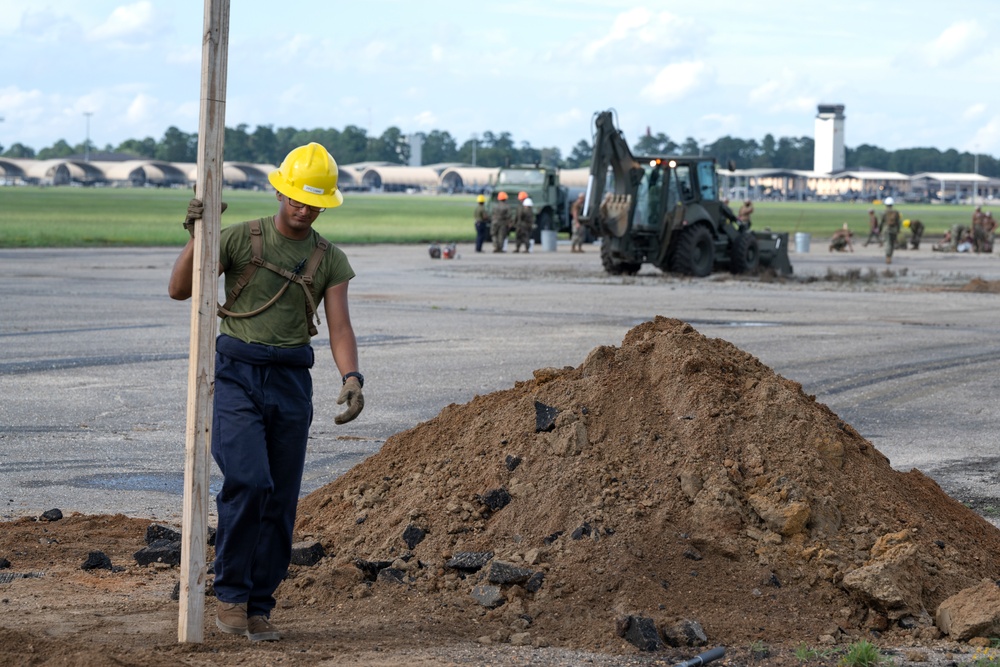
{"points": [[666, 211], [550, 200]]}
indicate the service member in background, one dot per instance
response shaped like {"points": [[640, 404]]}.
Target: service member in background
{"points": [[576, 231], [524, 225], [278, 269], [841, 240], [979, 230], [916, 232], [746, 212], [482, 222], [500, 222], [891, 223], [874, 229]]}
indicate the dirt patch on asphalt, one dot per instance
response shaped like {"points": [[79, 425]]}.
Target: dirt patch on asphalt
{"points": [[674, 478], [980, 285]]}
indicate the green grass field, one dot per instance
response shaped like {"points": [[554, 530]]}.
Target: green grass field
{"points": [[75, 217]]}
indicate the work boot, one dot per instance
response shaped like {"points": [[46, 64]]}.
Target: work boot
{"points": [[259, 629], [232, 618]]}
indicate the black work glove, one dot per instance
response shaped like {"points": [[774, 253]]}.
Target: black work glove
{"points": [[350, 394], [196, 209]]}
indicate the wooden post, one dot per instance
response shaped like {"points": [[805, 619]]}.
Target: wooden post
{"points": [[204, 301]]}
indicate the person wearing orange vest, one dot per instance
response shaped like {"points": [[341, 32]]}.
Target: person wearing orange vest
{"points": [[263, 387]]}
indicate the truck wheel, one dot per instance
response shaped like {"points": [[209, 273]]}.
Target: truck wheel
{"points": [[694, 252], [613, 266], [745, 254]]}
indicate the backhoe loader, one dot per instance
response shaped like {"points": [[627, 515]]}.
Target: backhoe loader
{"points": [[666, 211]]}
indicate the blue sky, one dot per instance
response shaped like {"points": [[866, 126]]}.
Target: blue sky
{"points": [[912, 74]]}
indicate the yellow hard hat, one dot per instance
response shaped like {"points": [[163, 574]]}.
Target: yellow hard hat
{"points": [[481, 199], [906, 223], [308, 174]]}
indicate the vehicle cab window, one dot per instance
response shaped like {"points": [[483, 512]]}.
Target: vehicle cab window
{"points": [[684, 184], [706, 180]]}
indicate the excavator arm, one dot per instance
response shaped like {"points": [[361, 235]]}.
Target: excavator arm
{"points": [[608, 212]]}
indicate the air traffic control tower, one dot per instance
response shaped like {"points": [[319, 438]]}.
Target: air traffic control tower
{"points": [[829, 154]]}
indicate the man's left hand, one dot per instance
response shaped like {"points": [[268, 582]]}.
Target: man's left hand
{"points": [[355, 400]]}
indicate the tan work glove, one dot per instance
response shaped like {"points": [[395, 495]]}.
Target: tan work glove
{"points": [[350, 394], [196, 209]]}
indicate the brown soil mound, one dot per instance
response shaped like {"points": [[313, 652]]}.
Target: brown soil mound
{"points": [[980, 285], [681, 479]]}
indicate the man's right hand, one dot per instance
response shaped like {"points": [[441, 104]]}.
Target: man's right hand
{"points": [[195, 211]]}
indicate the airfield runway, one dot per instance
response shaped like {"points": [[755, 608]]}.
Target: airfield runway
{"points": [[93, 366]]}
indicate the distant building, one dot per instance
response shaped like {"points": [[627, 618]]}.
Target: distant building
{"points": [[829, 154], [416, 142]]}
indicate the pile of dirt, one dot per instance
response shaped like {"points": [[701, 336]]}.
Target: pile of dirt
{"points": [[676, 478]]}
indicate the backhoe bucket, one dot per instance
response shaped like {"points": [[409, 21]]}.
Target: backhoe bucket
{"points": [[773, 248]]}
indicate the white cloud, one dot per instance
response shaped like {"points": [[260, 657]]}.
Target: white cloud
{"points": [[374, 49], [639, 30], [987, 138], [183, 54], [975, 111], [141, 109], [956, 43], [126, 23], [721, 124], [571, 118], [675, 81], [14, 100], [785, 93], [437, 53], [425, 119]]}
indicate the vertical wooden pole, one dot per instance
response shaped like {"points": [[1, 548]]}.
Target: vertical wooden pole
{"points": [[204, 300]]}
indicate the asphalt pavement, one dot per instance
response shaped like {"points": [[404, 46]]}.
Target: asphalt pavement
{"points": [[94, 361]]}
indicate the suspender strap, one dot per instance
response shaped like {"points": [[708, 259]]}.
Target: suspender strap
{"points": [[256, 259], [306, 282], [304, 278]]}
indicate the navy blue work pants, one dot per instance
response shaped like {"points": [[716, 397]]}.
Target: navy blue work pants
{"points": [[263, 411]]}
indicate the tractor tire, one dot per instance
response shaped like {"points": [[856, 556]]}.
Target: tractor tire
{"points": [[694, 252], [744, 254], [613, 266]]}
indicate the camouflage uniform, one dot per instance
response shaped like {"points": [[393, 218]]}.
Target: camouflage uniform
{"points": [[874, 229], [482, 222], [890, 224], [978, 230], [576, 240], [916, 233], [500, 224], [524, 223]]}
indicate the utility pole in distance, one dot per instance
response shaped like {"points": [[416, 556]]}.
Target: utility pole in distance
{"points": [[86, 143]]}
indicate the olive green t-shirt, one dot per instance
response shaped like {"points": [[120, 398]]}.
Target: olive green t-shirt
{"points": [[284, 323]]}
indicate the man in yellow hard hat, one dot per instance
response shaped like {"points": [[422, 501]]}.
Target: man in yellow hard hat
{"points": [[278, 270], [481, 220]]}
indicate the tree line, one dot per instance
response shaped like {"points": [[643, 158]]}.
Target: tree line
{"points": [[265, 145]]}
